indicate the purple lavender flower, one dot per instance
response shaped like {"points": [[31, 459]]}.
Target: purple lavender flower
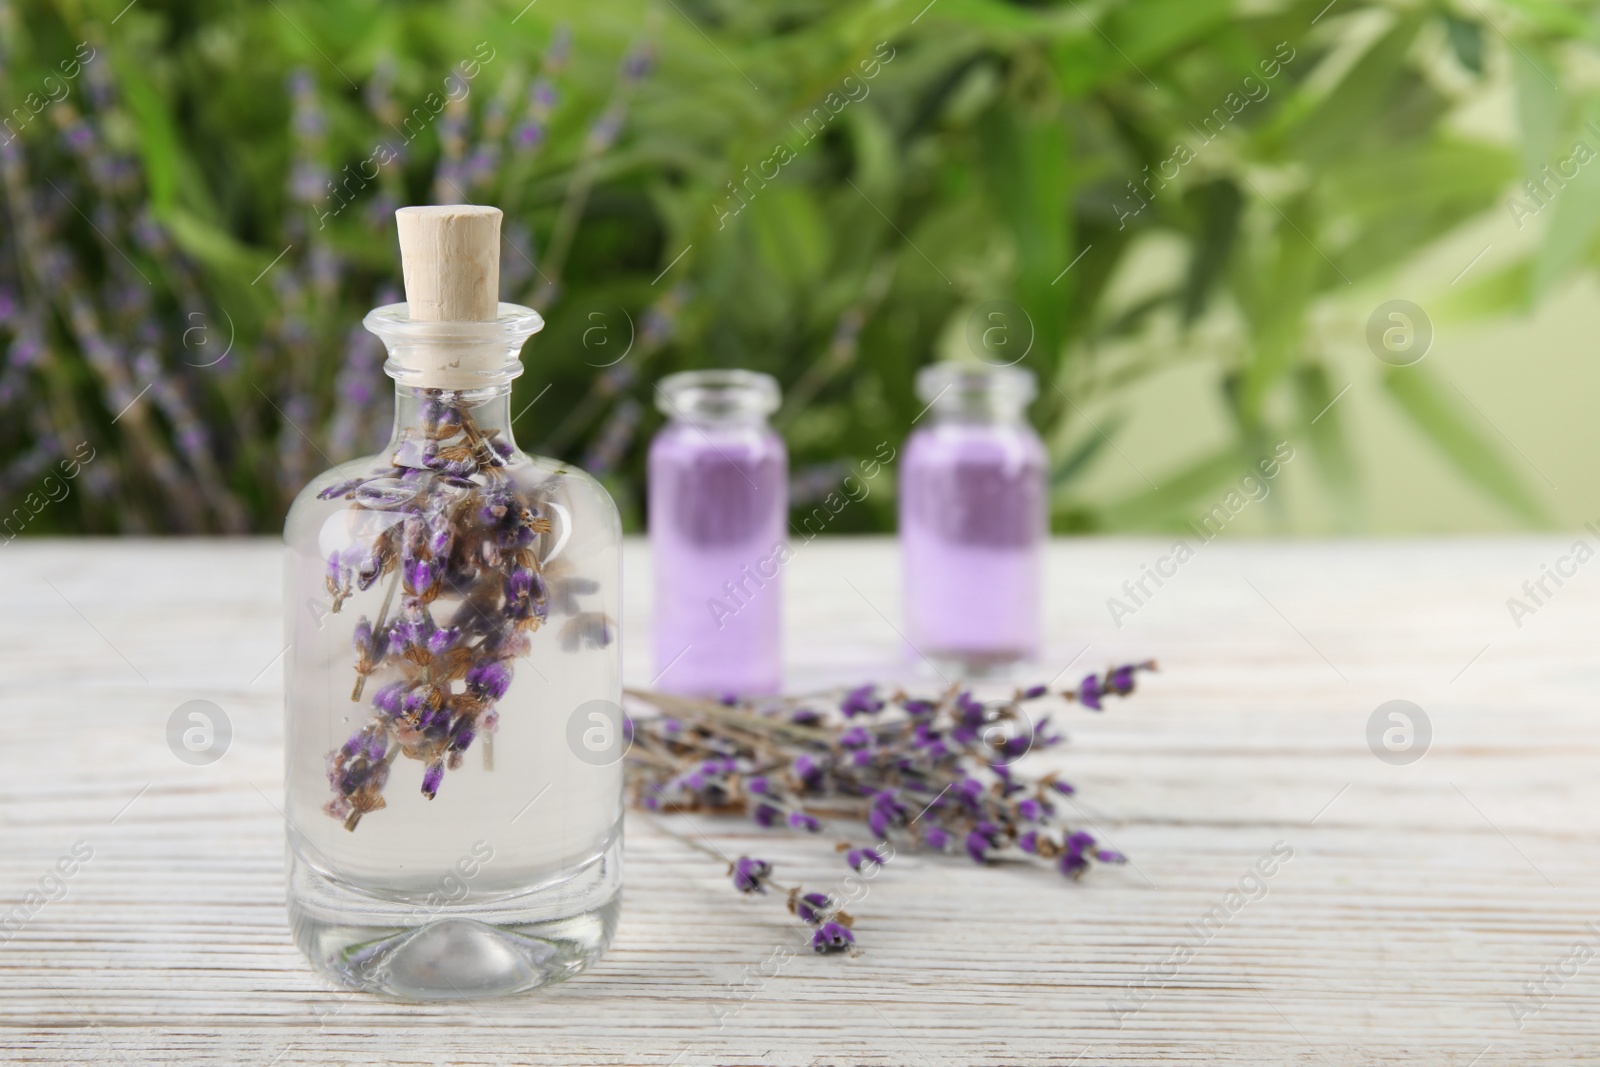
{"points": [[859, 858], [800, 820], [431, 780], [767, 815], [1030, 810], [440, 641], [751, 875], [832, 937], [814, 908], [1089, 692], [937, 838], [489, 680], [808, 771], [387, 699], [1073, 863], [982, 837], [861, 701], [855, 737]]}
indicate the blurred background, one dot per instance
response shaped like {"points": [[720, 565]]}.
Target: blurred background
{"points": [[1216, 230]]}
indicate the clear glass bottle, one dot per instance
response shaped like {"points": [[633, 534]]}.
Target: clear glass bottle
{"points": [[719, 503], [454, 732], [973, 519]]}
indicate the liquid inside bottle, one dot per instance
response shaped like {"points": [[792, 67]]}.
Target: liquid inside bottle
{"points": [[718, 507], [973, 520]]}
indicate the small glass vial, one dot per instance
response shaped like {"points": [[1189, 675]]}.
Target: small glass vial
{"points": [[719, 503], [973, 519], [453, 787]]}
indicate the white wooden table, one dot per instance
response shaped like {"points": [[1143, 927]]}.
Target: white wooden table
{"points": [[1419, 899]]}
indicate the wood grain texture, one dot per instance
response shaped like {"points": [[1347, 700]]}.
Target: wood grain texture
{"points": [[1418, 901]]}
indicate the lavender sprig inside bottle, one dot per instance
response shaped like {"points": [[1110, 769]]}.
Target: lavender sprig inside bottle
{"points": [[463, 590]]}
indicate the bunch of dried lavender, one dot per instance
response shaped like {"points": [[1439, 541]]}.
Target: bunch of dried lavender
{"points": [[920, 773], [461, 535]]}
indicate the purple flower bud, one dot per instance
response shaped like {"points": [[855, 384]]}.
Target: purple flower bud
{"points": [[813, 908], [860, 701], [855, 737], [1029, 842], [489, 680], [1089, 692], [1066, 789], [767, 814], [377, 747], [803, 821], [431, 779], [520, 584], [832, 937], [1121, 681], [750, 875], [859, 858], [1030, 810], [420, 576], [756, 784], [1034, 692], [441, 640], [387, 699], [808, 771], [937, 837]]}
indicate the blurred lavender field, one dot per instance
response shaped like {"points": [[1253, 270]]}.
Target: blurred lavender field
{"points": [[199, 197]]}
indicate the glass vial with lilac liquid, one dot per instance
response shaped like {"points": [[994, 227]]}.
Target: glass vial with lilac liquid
{"points": [[973, 520], [453, 784], [718, 508]]}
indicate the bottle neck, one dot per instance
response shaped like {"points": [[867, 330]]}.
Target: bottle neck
{"points": [[420, 414], [979, 394], [977, 409]]}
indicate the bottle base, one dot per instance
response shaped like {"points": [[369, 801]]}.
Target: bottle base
{"points": [[459, 951]]}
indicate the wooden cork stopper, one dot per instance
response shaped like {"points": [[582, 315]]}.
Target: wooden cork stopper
{"points": [[450, 255]]}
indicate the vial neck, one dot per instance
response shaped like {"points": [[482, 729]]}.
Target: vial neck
{"points": [[978, 409], [421, 414]]}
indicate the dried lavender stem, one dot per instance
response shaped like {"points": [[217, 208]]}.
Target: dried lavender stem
{"points": [[372, 642], [730, 716]]}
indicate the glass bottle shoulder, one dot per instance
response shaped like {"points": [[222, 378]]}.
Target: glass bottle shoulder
{"points": [[951, 442], [377, 487]]}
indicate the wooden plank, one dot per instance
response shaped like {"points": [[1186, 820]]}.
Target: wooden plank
{"points": [[1418, 901]]}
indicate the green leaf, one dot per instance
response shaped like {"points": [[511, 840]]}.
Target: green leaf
{"points": [[1364, 97], [1466, 41], [1576, 217], [1506, 290], [1218, 205], [1458, 437], [1541, 107]]}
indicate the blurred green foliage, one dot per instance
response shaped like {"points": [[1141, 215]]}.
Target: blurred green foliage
{"points": [[835, 193]]}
